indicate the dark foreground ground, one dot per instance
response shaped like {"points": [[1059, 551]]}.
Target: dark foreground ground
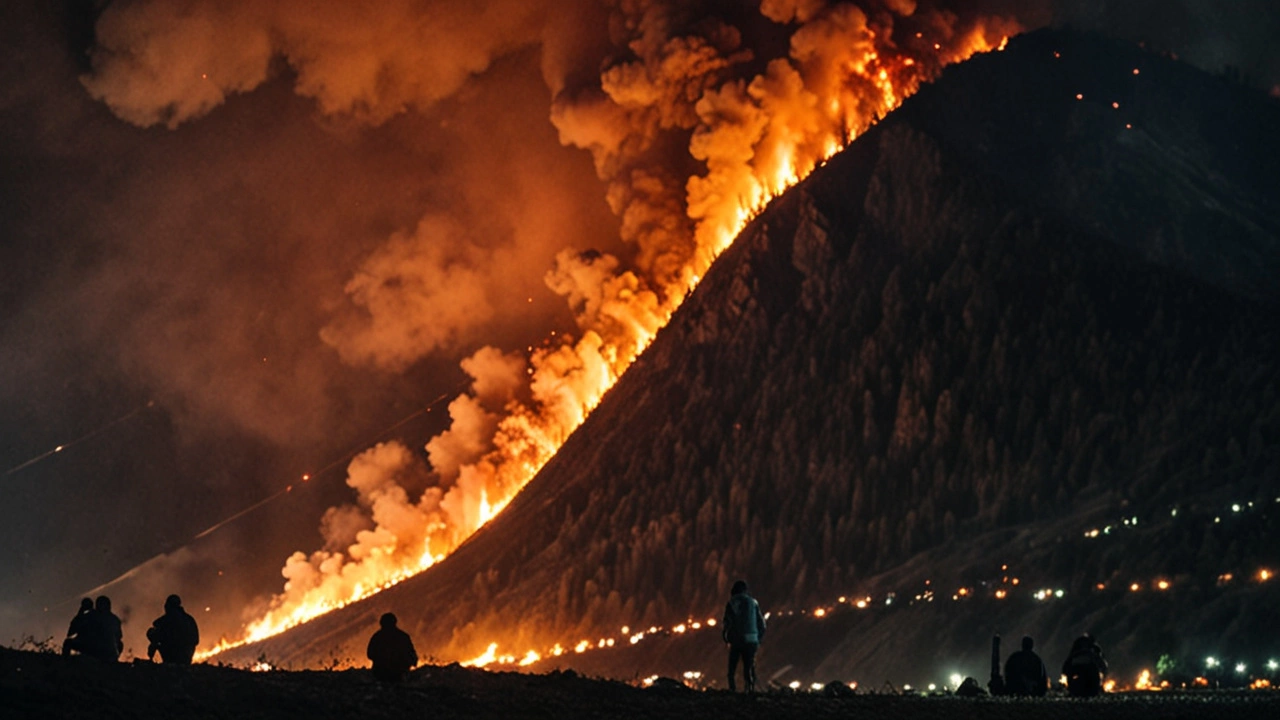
{"points": [[41, 685]]}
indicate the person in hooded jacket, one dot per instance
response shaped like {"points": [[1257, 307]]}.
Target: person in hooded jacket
{"points": [[743, 630], [391, 651], [174, 634], [1085, 667]]}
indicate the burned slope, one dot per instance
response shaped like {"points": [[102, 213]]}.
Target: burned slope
{"points": [[1002, 316]]}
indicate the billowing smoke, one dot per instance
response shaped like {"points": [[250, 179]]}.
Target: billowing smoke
{"points": [[169, 62], [694, 114]]}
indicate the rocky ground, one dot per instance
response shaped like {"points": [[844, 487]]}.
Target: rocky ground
{"points": [[45, 685]]}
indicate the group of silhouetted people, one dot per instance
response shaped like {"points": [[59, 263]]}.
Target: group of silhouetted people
{"points": [[96, 632], [1025, 673]]}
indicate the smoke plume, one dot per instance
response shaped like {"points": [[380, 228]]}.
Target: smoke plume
{"points": [[694, 114]]}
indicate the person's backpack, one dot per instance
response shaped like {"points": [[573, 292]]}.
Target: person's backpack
{"points": [[740, 621]]}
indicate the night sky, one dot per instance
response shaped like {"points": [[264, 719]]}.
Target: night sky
{"points": [[211, 288]]}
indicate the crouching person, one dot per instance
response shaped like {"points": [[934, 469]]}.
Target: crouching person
{"points": [[174, 634], [391, 651]]}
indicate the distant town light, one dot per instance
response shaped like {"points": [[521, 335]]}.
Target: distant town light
{"points": [[932, 687], [1163, 584], [956, 679], [1235, 507], [815, 686], [795, 685], [1240, 668], [1273, 665], [1211, 661]]}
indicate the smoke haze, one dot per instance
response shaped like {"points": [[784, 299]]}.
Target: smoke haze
{"points": [[287, 222]]}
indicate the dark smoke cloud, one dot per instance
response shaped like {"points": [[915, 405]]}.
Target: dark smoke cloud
{"points": [[199, 267]]}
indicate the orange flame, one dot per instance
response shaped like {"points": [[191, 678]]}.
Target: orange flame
{"points": [[756, 140]]}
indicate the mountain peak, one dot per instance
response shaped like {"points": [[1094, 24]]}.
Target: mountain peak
{"points": [[1035, 302]]}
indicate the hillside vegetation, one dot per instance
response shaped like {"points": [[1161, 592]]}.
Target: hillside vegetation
{"points": [[1002, 317]]}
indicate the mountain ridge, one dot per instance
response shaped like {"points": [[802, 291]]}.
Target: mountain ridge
{"points": [[917, 348]]}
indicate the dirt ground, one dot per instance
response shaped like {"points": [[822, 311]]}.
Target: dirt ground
{"points": [[43, 685]]}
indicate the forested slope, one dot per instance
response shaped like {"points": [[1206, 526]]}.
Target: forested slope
{"points": [[1003, 315]]}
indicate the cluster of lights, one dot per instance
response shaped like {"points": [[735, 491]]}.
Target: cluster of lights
{"points": [[1002, 590], [634, 637]]}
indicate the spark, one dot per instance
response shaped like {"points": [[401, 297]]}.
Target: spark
{"points": [[66, 446]]}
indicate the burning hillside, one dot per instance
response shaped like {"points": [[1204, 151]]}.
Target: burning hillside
{"points": [[1030, 306], [692, 129]]}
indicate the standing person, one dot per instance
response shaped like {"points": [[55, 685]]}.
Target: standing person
{"points": [[1085, 667], [78, 631], [104, 638], [1025, 673], [391, 651], [174, 634], [743, 630]]}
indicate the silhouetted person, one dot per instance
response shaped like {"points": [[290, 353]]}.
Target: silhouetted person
{"points": [[743, 630], [103, 637], [78, 631], [1024, 672], [996, 683], [174, 634], [1085, 667], [391, 650]]}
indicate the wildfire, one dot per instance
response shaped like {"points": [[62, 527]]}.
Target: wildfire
{"points": [[755, 140]]}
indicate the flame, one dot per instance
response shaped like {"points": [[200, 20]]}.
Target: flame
{"points": [[756, 139], [1144, 681], [487, 657]]}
